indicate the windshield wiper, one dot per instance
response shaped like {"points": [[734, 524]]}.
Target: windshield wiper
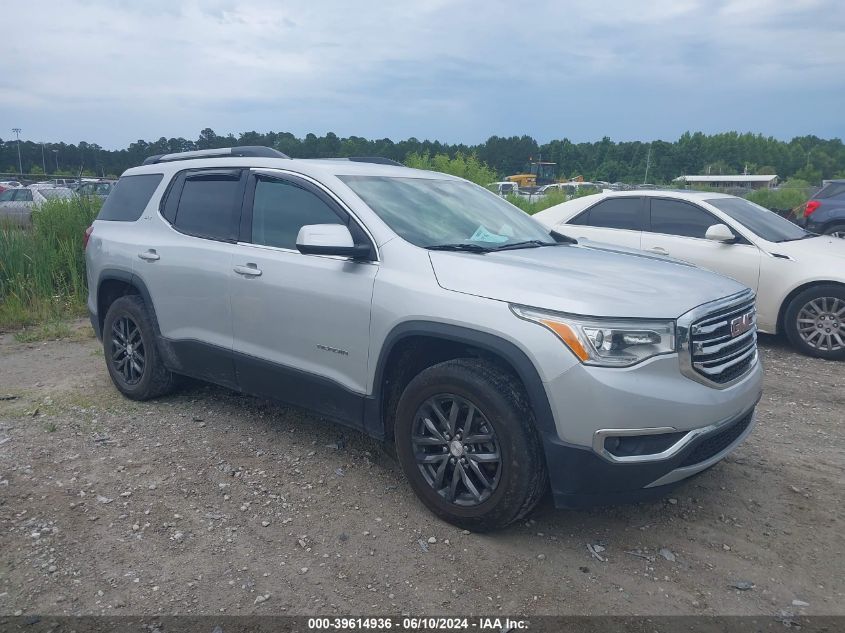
{"points": [[525, 244], [467, 248], [803, 237]]}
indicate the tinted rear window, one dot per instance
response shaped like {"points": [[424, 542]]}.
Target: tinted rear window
{"points": [[209, 206], [613, 213], [129, 198], [831, 190]]}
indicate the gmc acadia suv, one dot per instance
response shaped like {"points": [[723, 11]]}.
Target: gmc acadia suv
{"points": [[424, 310]]}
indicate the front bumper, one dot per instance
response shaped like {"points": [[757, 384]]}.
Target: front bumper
{"points": [[589, 403], [582, 478]]}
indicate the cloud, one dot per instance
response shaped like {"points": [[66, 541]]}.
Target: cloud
{"points": [[114, 71]]}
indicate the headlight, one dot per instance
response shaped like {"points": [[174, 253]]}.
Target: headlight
{"points": [[606, 342]]}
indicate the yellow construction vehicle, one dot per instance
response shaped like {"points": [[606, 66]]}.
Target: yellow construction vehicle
{"points": [[535, 174]]}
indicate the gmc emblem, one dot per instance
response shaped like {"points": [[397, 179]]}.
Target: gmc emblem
{"points": [[742, 324]]}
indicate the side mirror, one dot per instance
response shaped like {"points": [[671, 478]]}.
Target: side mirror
{"points": [[330, 239], [720, 233]]}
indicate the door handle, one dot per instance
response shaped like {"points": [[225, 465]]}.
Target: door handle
{"points": [[250, 270], [149, 255], [659, 250]]}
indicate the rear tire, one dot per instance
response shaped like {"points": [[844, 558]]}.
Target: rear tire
{"points": [[815, 322], [837, 230], [478, 463], [131, 351]]}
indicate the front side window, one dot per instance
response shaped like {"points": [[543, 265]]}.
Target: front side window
{"points": [[429, 212], [613, 213], [759, 220], [208, 206], [6, 196], [281, 208], [23, 195], [674, 217]]}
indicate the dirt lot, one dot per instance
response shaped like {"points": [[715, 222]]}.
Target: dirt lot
{"points": [[210, 502]]}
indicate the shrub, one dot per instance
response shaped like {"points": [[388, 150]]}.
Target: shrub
{"points": [[42, 268], [463, 166]]}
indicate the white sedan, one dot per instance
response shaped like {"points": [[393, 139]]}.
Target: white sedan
{"points": [[16, 204], [799, 277]]}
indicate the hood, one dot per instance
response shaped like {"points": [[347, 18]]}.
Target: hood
{"points": [[821, 247], [583, 280]]}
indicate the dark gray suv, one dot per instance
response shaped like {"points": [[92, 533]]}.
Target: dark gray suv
{"points": [[825, 213]]}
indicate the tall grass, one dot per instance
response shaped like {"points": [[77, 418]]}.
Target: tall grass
{"points": [[42, 267]]}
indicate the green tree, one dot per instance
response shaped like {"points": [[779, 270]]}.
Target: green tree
{"points": [[468, 167]]}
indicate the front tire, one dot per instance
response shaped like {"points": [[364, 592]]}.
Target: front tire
{"points": [[132, 356], [466, 440], [815, 322]]}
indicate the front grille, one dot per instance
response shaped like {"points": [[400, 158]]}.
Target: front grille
{"points": [[717, 352], [716, 442]]}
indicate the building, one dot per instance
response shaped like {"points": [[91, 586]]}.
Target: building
{"points": [[745, 181]]}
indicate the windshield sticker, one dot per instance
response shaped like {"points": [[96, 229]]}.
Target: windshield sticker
{"points": [[483, 235]]}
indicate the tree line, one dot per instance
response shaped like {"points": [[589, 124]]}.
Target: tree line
{"points": [[807, 157]]}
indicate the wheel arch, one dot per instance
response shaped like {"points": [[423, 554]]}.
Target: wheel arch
{"points": [[414, 345], [115, 283], [784, 305]]}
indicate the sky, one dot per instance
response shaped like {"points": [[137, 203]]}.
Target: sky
{"points": [[114, 71]]}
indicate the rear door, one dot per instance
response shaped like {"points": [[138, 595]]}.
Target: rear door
{"points": [[616, 220], [677, 229], [186, 264], [301, 322]]}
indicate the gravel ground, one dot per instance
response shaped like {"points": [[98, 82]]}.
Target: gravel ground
{"points": [[211, 502]]}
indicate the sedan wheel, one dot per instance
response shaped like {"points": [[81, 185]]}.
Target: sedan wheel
{"points": [[821, 324], [814, 321]]}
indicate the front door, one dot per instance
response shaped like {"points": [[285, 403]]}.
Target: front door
{"points": [[301, 322], [677, 229]]}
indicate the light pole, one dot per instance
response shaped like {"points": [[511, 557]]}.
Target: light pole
{"points": [[56, 154], [17, 132]]}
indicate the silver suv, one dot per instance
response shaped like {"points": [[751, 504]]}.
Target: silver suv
{"points": [[500, 358]]}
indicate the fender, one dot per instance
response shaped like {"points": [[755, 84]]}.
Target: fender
{"points": [[524, 367], [170, 358]]}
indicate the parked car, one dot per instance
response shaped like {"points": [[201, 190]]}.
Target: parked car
{"points": [[16, 204], [504, 188], [100, 188], [799, 276], [825, 212], [428, 312], [571, 188], [9, 184]]}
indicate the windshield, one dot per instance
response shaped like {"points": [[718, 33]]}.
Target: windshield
{"points": [[430, 213], [768, 225]]}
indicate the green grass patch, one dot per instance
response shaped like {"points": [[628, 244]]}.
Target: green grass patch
{"points": [[52, 331], [42, 267]]}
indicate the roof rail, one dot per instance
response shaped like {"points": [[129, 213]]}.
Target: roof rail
{"points": [[244, 151], [378, 160]]}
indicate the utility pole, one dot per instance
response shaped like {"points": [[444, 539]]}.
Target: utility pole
{"points": [[43, 160], [56, 154], [17, 132], [647, 164]]}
